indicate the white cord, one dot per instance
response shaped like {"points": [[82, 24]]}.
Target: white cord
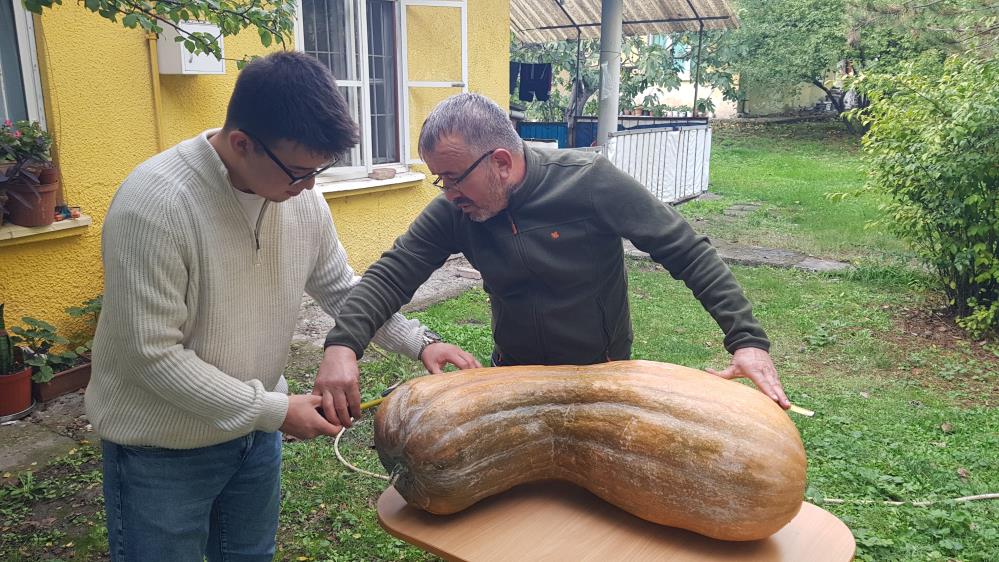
{"points": [[336, 449], [915, 504]]}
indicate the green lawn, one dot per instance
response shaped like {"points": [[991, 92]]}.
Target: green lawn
{"points": [[905, 404], [789, 170]]}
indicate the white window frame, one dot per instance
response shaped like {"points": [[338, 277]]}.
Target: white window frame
{"points": [[407, 83], [30, 77], [363, 151], [357, 12]]}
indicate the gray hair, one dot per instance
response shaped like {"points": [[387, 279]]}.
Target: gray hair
{"points": [[480, 122]]}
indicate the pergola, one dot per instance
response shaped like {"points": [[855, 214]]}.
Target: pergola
{"points": [[540, 21]]}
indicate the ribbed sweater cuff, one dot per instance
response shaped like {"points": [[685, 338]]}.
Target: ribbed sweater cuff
{"points": [[275, 409], [413, 345]]}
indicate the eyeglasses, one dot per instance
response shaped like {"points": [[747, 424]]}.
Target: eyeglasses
{"points": [[294, 179], [439, 182]]}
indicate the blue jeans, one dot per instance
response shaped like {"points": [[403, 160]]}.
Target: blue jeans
{"points": [[181, 505]]}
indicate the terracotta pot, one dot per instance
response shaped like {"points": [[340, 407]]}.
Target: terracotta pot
{"points": [[48, 175], [33, 205], [15, 392], [63, 382]]}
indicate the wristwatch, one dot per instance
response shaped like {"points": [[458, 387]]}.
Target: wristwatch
{"points": [[429, 337]]}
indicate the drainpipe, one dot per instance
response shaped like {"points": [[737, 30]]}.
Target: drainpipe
{"points": [[610, 67], [154, 72]]}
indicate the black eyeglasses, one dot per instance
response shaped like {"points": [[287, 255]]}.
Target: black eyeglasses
{"points": [[294, 179], [439, 182]]}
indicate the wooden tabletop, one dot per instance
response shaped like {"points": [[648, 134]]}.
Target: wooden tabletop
{"points": [[560, 521]]}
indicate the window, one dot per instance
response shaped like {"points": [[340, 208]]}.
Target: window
{"points": [[356, 40], [19, 84], [679, 51]]}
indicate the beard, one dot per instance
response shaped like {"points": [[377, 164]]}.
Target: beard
{"points": [[496, 198]]}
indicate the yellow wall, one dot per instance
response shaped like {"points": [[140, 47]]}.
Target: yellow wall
{"points": [[99, 107], [762, 101]]}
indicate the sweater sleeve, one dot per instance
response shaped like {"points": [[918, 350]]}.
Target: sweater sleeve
{"points": [[146, 276], [391, 281], [624, 206], [332, 280]]}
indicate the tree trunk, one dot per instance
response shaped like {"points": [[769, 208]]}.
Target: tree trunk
{"points": [[577, 102], [837, 102]]}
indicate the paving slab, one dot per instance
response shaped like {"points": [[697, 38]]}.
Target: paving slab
{"points": [[453, 278], [24, 442], [757, 256]]}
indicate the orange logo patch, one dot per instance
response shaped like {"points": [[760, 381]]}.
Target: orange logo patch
{"points": [[554, 235]]}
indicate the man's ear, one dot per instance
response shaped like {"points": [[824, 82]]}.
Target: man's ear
{"points": [[504, 160], [240, 143]]}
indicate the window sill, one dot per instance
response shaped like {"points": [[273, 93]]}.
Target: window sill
{"points": [[344, 188], [12, 235]]}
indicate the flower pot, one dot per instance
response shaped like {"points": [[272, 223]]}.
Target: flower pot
{"points": [[33, 205], [48, 175], [15, 392], [63, 382]]}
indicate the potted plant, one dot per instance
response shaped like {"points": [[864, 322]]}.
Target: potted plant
{"points": [[90, 312], [27, 174], [15, 378], [53, 373]]}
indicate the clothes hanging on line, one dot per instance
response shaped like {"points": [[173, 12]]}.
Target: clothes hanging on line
{"points": [[535, 81], [514, 74]]}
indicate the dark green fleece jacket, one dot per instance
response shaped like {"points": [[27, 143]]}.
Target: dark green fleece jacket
{"points": [[553, 265]]}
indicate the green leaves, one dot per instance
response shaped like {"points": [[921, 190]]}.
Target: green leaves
{"points": [[273, 20], [933, 147]]}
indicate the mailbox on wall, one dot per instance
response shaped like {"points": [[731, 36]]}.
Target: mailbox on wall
{"points": [[174, 58]]}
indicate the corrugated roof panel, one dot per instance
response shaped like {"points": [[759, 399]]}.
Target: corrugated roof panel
{"points": [[541, 21]]}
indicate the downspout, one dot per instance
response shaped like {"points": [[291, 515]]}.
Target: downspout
{"points": [[611, 23], [154, 71]]}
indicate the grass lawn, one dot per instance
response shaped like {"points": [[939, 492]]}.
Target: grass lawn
{"points": [[906, 404]]}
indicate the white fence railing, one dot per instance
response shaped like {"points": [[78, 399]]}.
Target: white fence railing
{"points": [[672, 162]]}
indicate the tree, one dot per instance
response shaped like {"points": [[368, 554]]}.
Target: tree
{"points": [[274, 20], [955, 26], [933, 148], [782, 43]]}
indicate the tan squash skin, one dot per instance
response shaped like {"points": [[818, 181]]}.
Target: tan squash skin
{"points": [[672, 445]]}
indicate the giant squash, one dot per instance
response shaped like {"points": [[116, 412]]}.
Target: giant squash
{"points": [[672, 445]]}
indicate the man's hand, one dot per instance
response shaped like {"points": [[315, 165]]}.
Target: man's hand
{"points": [[436, 355], [757, 366], [303, 421], [337, 384]]}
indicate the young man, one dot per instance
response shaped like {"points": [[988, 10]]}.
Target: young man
{"points": [[544, 228], [208, 248]]}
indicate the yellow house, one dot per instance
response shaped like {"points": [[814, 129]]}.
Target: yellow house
{"points": [[99, 90]]}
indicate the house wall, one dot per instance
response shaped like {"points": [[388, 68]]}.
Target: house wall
{"points": [[98, 96], [761, 101], [684, 96]]}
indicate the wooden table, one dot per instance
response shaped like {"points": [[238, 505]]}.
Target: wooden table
{"points": [[559, 521]]}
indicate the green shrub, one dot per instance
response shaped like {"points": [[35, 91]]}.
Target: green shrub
{"points": [[933, 147]]}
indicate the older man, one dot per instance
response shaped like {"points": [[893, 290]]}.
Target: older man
{"points": [[544, 228]]}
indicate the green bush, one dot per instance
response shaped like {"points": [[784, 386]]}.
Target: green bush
{"points": [[933, 148]]}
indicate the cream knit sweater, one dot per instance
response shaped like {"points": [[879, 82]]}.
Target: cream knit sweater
{"points": [[200, 305]]}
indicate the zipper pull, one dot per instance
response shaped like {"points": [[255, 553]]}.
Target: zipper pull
{"points": [[513, 225]]}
